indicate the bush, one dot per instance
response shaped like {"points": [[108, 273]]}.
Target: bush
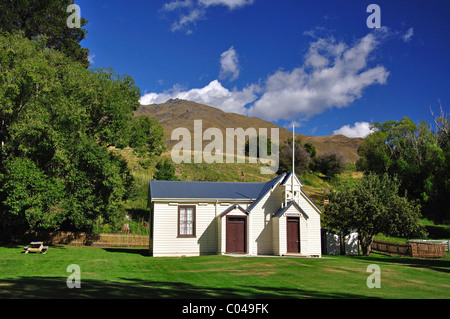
{"points": [[166, 171], [329, 164]]}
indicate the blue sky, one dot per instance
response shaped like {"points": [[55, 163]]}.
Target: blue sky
{"points": [[315, 64]]}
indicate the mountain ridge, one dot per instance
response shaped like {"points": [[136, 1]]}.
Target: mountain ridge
{"points": [[181, 113]]}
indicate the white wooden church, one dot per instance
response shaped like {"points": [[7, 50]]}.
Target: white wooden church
{"points": [[198, 218]]}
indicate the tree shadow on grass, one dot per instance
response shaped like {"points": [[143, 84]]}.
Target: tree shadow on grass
{"points": [[56, 288], [138, 251]]}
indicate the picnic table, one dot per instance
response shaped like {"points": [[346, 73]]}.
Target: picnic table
{"points": [[36, 246]]}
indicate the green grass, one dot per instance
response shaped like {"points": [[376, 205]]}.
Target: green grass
{"points": [[131, 273], [396, 240]]}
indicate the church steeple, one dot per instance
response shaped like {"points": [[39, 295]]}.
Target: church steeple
{"points": [[291, 183], [291, 188], [293, 157]]}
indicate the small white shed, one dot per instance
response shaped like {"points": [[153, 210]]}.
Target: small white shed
{"points": [[336, 243]]}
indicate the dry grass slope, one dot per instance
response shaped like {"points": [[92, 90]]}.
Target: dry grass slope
{"points": [[181, 113]]}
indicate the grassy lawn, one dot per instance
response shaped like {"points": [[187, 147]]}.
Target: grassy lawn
{"points": [[130, 273]]}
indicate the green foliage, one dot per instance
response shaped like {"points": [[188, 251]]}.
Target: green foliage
{"points": [[146, 136], [29, 197], [310, 149], [57, 120], [373, 206], [256, 141], [329, 164], [301, 161], [418, 156], [35, 18], [166, 170]]}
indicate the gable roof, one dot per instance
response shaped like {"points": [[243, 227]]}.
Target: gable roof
{"points": [[282, 210], [206, 190], [288, 176], [232, 208], [267, 187]]}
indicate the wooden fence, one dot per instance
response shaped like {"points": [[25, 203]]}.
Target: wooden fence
{"points": [[411, 248], [97, 240], [427, 249], [391, 248]]}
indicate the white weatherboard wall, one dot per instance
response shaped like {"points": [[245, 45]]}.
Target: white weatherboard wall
{"points": [[165, 235], [312, 225], [280, 233], [261, 237], [275, 236]]}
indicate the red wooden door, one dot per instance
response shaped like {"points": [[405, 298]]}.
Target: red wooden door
{"points": [[236, 234], [293, 235]]}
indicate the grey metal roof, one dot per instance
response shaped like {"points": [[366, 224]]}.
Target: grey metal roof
{"points": [[213, 190]]}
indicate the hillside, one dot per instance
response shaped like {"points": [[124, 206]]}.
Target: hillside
{"points": [[181, 113]]}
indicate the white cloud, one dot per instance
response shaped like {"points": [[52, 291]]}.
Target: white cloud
{"points": [[333, 75], [91, 58], [359, 129], [289, 125], [193, 11], [229, 64], [231, 4], [174, 5], [214, 94], [186, 20], [408, 35]]}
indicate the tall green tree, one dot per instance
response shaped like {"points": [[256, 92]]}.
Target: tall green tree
{"points": [[415, 154], [57, 120], [373, 206], [35, 18], [439, 202]]}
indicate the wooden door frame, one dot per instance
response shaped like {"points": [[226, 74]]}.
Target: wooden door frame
{"points": [[245, 232], [287, 233]]}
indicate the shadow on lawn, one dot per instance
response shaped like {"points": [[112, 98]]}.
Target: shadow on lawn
{"points": [[137, 251], [55, 288]]}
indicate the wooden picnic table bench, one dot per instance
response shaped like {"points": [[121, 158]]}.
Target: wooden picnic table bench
{"points": [[36, 246]]}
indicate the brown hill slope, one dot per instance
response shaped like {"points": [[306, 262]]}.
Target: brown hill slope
{"points": [[181, 113]]}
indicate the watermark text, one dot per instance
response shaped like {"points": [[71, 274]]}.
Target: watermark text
{"points": [[257, 145]]}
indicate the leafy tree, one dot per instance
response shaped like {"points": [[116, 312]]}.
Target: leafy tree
{"points": [[439, 202], [146, 136], [416, 155], [166, 171], [329, 164], [310, 149], [373, 206], [301, 160], [35, 18], [255, 140], [57, 120], [30, 197]]}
